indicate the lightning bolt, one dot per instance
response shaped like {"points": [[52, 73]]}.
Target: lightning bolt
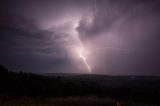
{"points": [[83, 57], [84, 60], [95, 6], [113, 48]]}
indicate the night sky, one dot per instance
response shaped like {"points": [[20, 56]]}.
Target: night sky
{"points": [[115, 37]]}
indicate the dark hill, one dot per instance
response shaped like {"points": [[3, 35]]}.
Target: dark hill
{"points": [[139, 88]]}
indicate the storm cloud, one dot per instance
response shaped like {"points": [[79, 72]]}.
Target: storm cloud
{"points": [[39, 36]]}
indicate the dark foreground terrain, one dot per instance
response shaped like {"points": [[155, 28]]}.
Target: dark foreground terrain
{"points": [[26, 89]]}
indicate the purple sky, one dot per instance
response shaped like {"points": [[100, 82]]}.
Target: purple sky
{"points": [[117, 37]]}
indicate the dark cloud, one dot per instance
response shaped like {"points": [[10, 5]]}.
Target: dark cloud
{"points": [[24, 46], [37, 35], [110, 13], [135, 25]]}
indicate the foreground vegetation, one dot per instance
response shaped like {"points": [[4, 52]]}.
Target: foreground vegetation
{"points": [[27, 89], [71, 101]]}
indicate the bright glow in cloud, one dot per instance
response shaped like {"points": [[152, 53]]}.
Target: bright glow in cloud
{"points": [[83, 57]]}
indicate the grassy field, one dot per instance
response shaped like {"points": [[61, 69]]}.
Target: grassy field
{"points": [[70, 101]]}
